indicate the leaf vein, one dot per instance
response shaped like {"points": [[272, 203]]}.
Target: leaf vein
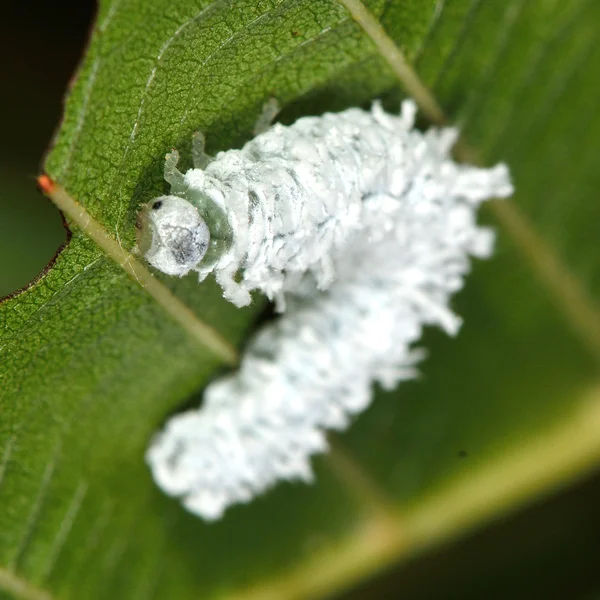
{"points": [[65, 527], [477, 94], [6, 457], [518, 475], [19, 588], [180, 312], [572, 298], [395, 59], [458, 41], [88, 91], [288, 55], [166, 45], [531, 73], [34, 515], [94, 535], [210, 56], [559, 87], [433, 23]]}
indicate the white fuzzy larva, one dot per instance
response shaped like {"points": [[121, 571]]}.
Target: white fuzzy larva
{"points": [[358, 223]]}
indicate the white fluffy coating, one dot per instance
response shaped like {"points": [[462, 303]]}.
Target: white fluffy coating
{"points": [[362, 228]]}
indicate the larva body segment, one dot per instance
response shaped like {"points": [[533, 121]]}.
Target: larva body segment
{"points": [[365, 226]]}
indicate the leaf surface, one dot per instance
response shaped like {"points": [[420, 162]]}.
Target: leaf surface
{"points": [[92, 365]]}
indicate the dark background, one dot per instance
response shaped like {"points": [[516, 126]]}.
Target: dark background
{"points": [[550, 549]]}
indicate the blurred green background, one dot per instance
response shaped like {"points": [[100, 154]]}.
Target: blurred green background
{"points": [[41, 44], [550, 549]]}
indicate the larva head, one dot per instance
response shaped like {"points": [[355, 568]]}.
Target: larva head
{"points": [[172, 235]]}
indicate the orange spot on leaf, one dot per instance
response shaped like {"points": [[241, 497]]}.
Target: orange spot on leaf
{"points": [[46, 184]]}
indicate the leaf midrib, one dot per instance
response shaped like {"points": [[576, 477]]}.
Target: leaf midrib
{"points": [[20, 588], [202, 333], [513, 477], [577, 306]]}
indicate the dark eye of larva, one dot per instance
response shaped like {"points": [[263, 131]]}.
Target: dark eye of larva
{"points": [[157, 205]]}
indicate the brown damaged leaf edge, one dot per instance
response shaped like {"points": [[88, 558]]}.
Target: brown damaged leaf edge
{"points": [[205, 335], [51, 262], [92, 29]]}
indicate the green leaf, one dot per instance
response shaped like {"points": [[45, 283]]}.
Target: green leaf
{"points": [[92, 362]]}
